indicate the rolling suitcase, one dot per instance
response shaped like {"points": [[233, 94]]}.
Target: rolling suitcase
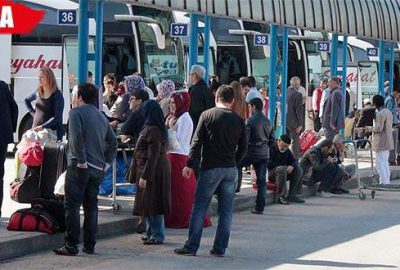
{"points": [[54, 164]]}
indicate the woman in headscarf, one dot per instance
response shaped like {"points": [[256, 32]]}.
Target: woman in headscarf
{"points": [[165, 90], [152, 173], [120, 110], [180, 127]]}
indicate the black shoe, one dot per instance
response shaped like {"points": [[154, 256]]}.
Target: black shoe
{"points": [[141, 228], [184, 251], [152, 242], [66, 251], [283, 200], [295, 199], [144, 238], [344, 191], [216, 253], [257, 212], [87, 250], [336, 191]]}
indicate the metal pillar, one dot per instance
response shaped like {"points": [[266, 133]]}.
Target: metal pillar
{"points": [[285, 56], [193, 40], [381, 70], [83, 41], [391, 68], [334, 55], [344, 75], [206, 47], [99, 42], [273, 61]]}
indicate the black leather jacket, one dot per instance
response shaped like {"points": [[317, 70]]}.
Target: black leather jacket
{"points": [[260, 136]]}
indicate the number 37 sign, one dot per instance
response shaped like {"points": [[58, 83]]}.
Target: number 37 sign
{"points": [[179, 30]]}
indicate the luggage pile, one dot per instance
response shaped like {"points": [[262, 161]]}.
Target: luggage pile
{"points": [[39, 164]]}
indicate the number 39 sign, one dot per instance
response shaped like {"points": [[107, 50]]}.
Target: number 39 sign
{"points": [[179, 30], [323, 46], [67, 17]]}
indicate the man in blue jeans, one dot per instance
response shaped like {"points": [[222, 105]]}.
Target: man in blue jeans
{"points": [[260, 136], [220, 143], [90, 153]]}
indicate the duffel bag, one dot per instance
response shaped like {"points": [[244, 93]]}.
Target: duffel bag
{"points": [[24, 191], [32, 219], [307, 139], [53, 206]]}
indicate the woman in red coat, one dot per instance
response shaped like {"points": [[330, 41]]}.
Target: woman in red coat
{"points": [[180, 127]]}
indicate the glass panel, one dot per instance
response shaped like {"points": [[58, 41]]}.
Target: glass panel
{"points": [[368, 79], [159, 64], [71, 51]]}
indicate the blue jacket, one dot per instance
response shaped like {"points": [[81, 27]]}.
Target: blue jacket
{"points": [[390, 103]]}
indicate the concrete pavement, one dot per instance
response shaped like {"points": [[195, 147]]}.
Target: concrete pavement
{"points": [[14, 244], [341, 232]]}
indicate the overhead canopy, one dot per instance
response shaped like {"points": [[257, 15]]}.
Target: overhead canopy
{"points": [[376, 19]]}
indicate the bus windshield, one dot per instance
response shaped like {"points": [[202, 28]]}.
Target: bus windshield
{"points": [[159, 64]]}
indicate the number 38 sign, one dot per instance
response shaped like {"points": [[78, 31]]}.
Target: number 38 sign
{"points": [[67, 17]]}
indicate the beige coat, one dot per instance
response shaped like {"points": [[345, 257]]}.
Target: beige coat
{"points": [[382, 138]]}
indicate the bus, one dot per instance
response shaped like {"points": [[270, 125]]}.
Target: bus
{"points": [[140, 43]]}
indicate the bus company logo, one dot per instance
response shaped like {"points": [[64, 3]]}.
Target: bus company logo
{"points": [[29, 63], [13, 18]]}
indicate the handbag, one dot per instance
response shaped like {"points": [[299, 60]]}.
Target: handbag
{"points": [[24, 191], [32, 154]]}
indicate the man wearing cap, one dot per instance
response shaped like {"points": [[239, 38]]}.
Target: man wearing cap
{"points": [[283, 167], [316, 103], [333, 115]]}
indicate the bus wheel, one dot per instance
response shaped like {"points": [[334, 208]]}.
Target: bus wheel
{"points": [[25, 125]]}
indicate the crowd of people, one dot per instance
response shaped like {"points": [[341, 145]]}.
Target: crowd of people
{"points": [[193, 144]]}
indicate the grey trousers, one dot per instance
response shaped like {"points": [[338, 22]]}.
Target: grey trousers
{"points": [[393, 153], [295, 146]]}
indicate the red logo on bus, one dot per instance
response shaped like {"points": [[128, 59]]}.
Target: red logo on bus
{"points": [[18, 18]]}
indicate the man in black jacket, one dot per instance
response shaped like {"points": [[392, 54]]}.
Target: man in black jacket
{"points": [[283, 167], [8, 125], [220, 143], [134, 124], [260, 136], [200, 95]]}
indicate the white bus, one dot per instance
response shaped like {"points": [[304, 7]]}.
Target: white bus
{"points": [[139, 43]]}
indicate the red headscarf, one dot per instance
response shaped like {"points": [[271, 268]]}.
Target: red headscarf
{"points": [[182, 103]]}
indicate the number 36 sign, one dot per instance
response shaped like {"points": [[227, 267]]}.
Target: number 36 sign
{"points": [[67, 17]]}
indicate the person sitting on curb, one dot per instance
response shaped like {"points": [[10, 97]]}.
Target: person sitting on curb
{"points": [[318, 163], [284, 167], [345, 171]]}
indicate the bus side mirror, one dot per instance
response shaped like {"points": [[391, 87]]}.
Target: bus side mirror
{"points": [[154, 25]]}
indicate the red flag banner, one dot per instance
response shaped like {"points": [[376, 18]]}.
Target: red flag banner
{"points": [[18, 18]]}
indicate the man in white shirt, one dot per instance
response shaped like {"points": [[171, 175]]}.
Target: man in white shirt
{"points": [[248, 85]]}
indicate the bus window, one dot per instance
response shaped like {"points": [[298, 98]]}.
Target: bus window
{"points": [[71, 55], [230, 63], [159, 64], [119, 57]]}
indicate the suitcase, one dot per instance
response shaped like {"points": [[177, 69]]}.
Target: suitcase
{"points": [[54, 164], [307, 139], [32, 219]]}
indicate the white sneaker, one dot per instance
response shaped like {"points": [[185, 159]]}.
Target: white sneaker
{"points": [[325, 194]]}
